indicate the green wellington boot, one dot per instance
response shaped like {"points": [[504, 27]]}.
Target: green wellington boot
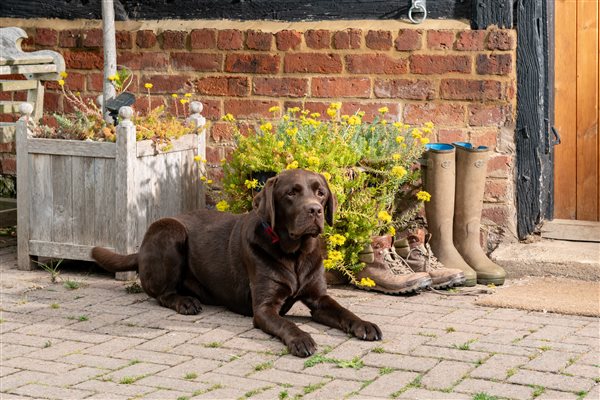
{"points": [[439, 182], [471, 171]]}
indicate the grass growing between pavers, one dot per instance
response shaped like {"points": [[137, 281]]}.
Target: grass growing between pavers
{"points": [[355, 363], [537, 391], [207, 390], [133, 288], [415, 384], [315, 386], [128, 380], [263, 366], [190, 376], [213, 345], [464, 346], [254, 392], [484, 396]]}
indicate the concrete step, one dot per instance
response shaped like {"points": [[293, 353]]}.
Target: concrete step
{"points": [[547, 257]]}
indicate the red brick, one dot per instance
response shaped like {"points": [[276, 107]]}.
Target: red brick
{"points": [[123, 40], [145, 39], [252, 63], [312, 62], [288, 40], [439, 114], [214, 155], [348, 39], [379, 40], [280, 87], [495, 190], [317, 38], [155, 61], [8, 166], [464, 89], [165, 83], [46, 37], [92, 38], [452, 135], [200, 62], [141, 103], [230, 39], [8, 147], [409, 40], [371, 110], [442, 64], [486, 137], [203, 38], [440, 40], [257, 40], [212, 109], [341, 87], [499, 165], [404, 89], [69, 38], [222, 132], [376, 64], [52, 102], [312, 106], [74, 82], [84, 59], [223, 86], [501, 40], [249, 108], [496, 214], [173, 39], [494, 64], [470, 40], [95, 82], [486, 115]]}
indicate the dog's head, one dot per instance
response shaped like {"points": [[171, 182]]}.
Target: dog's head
{"points": [[296, 201]]}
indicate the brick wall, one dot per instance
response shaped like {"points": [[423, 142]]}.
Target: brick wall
{"points": [[460, 79]]}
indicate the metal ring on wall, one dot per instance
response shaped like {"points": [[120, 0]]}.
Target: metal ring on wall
{"points": [[418, 6]]}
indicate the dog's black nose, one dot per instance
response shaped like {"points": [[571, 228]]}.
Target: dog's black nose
{"points": [[315, 209]]}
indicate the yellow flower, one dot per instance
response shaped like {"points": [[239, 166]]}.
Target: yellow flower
{"points": [[148, 85], [266, 127], [384, 216], [337, 239], [292, 165], [274, 109], [332, 112], [210, 181], [360, 114], [398, 125], [187, 95], [61, 82], [424, 140], [327, 176], [222, 205], [396, 157], [293, 109], [429, 125], [335, 106], [228, 117], [335, 255], [305, 112], [198, 158], [113, 78], [286, 117], [417, 134], [251, 184], [292, 131], [383, 122], [383, 110], [426, 131], [280, 143], [392, 231], [345, 117], [354, 120], [423, 196], [203, 179], [315, 115], [313, 161], [367, 282], [174, 95], [399, 139], [64, 75], [184, 101], [398, 171]]}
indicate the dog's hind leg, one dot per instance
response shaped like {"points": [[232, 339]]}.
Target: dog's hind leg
{"points": [[162, 260]]}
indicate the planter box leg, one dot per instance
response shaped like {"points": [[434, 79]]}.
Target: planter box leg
{"points": [[126, 276]]}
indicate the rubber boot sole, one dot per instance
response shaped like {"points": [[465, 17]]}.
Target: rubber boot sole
{"points": [[470, 282], [417, 286], [456, 281], [488, 281]]}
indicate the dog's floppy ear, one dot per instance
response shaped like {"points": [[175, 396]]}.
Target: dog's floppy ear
{"points": [[264, 202], [330, 206]]}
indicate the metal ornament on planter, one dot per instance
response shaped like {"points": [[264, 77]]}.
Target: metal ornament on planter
{"points": [[418, 11]]}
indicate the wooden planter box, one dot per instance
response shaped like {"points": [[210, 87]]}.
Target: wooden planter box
{"points": [[74, 195]]}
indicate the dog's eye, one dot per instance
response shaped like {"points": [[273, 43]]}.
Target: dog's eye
{"points": [[320, 193], [291, 193]]}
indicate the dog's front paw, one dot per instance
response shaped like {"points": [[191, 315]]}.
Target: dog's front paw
{"points": [[366, 330], [302, 345], [188, 305]]}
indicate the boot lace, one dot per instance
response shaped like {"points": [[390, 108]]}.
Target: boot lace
{"points": [[424, 252], [396, 263]]}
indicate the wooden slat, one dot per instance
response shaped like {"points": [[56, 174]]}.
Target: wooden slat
{"points": [[27, 69], [73, 148], [62, 199], [83, 200], [104, 201], [27, 59], [565, 229], [10, 107], [588, 193], [565, 164], [146, 147], [40, 182], [10, 86], [24, 199], [61, 250]]}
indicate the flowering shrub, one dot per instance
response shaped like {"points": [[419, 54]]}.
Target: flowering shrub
{"points": [[365, 164], [88, 123]]}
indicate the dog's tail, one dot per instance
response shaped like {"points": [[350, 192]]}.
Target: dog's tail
{"points": [[113, 262]]}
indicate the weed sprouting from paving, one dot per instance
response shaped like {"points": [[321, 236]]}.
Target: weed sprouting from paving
{"points": [[263, 366], [213, 344], [378, 350], [386, 370], [450, 329], [52, 268], [72, 284], [537, 391], [134, 288], [355, 363], [190, 376], [484, 396], [54, 306]]}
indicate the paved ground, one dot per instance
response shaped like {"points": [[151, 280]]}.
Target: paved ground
{"points": [[98, 341]]}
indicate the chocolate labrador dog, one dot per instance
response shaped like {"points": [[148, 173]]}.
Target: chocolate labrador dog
{"points": [[256, 264]]}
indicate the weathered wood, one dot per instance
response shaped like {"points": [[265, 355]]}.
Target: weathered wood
{"points": [[68, 251], [492, 12], [10, 107], [104, 201], [287, 10], [62, 199], [564, 229], [36, 97], [27, 69], [148, 147], [9, 86], [72, 148], [83, 184], [23, 192]]}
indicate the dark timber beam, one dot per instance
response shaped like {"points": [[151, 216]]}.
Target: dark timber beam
{"points": [[492, 12]]}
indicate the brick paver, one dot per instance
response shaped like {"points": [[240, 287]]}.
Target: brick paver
{"points": [[100, 342]]}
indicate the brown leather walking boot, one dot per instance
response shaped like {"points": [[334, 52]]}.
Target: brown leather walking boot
{"points": [[419, 258], [388, 271]]}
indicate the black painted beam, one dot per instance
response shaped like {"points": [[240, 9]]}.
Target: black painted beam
{"points": [[492, 12], [286, 10]]}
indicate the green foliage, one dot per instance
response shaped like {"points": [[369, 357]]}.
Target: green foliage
{"points": [[8, 186], [370, 168], [484, 396]]}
